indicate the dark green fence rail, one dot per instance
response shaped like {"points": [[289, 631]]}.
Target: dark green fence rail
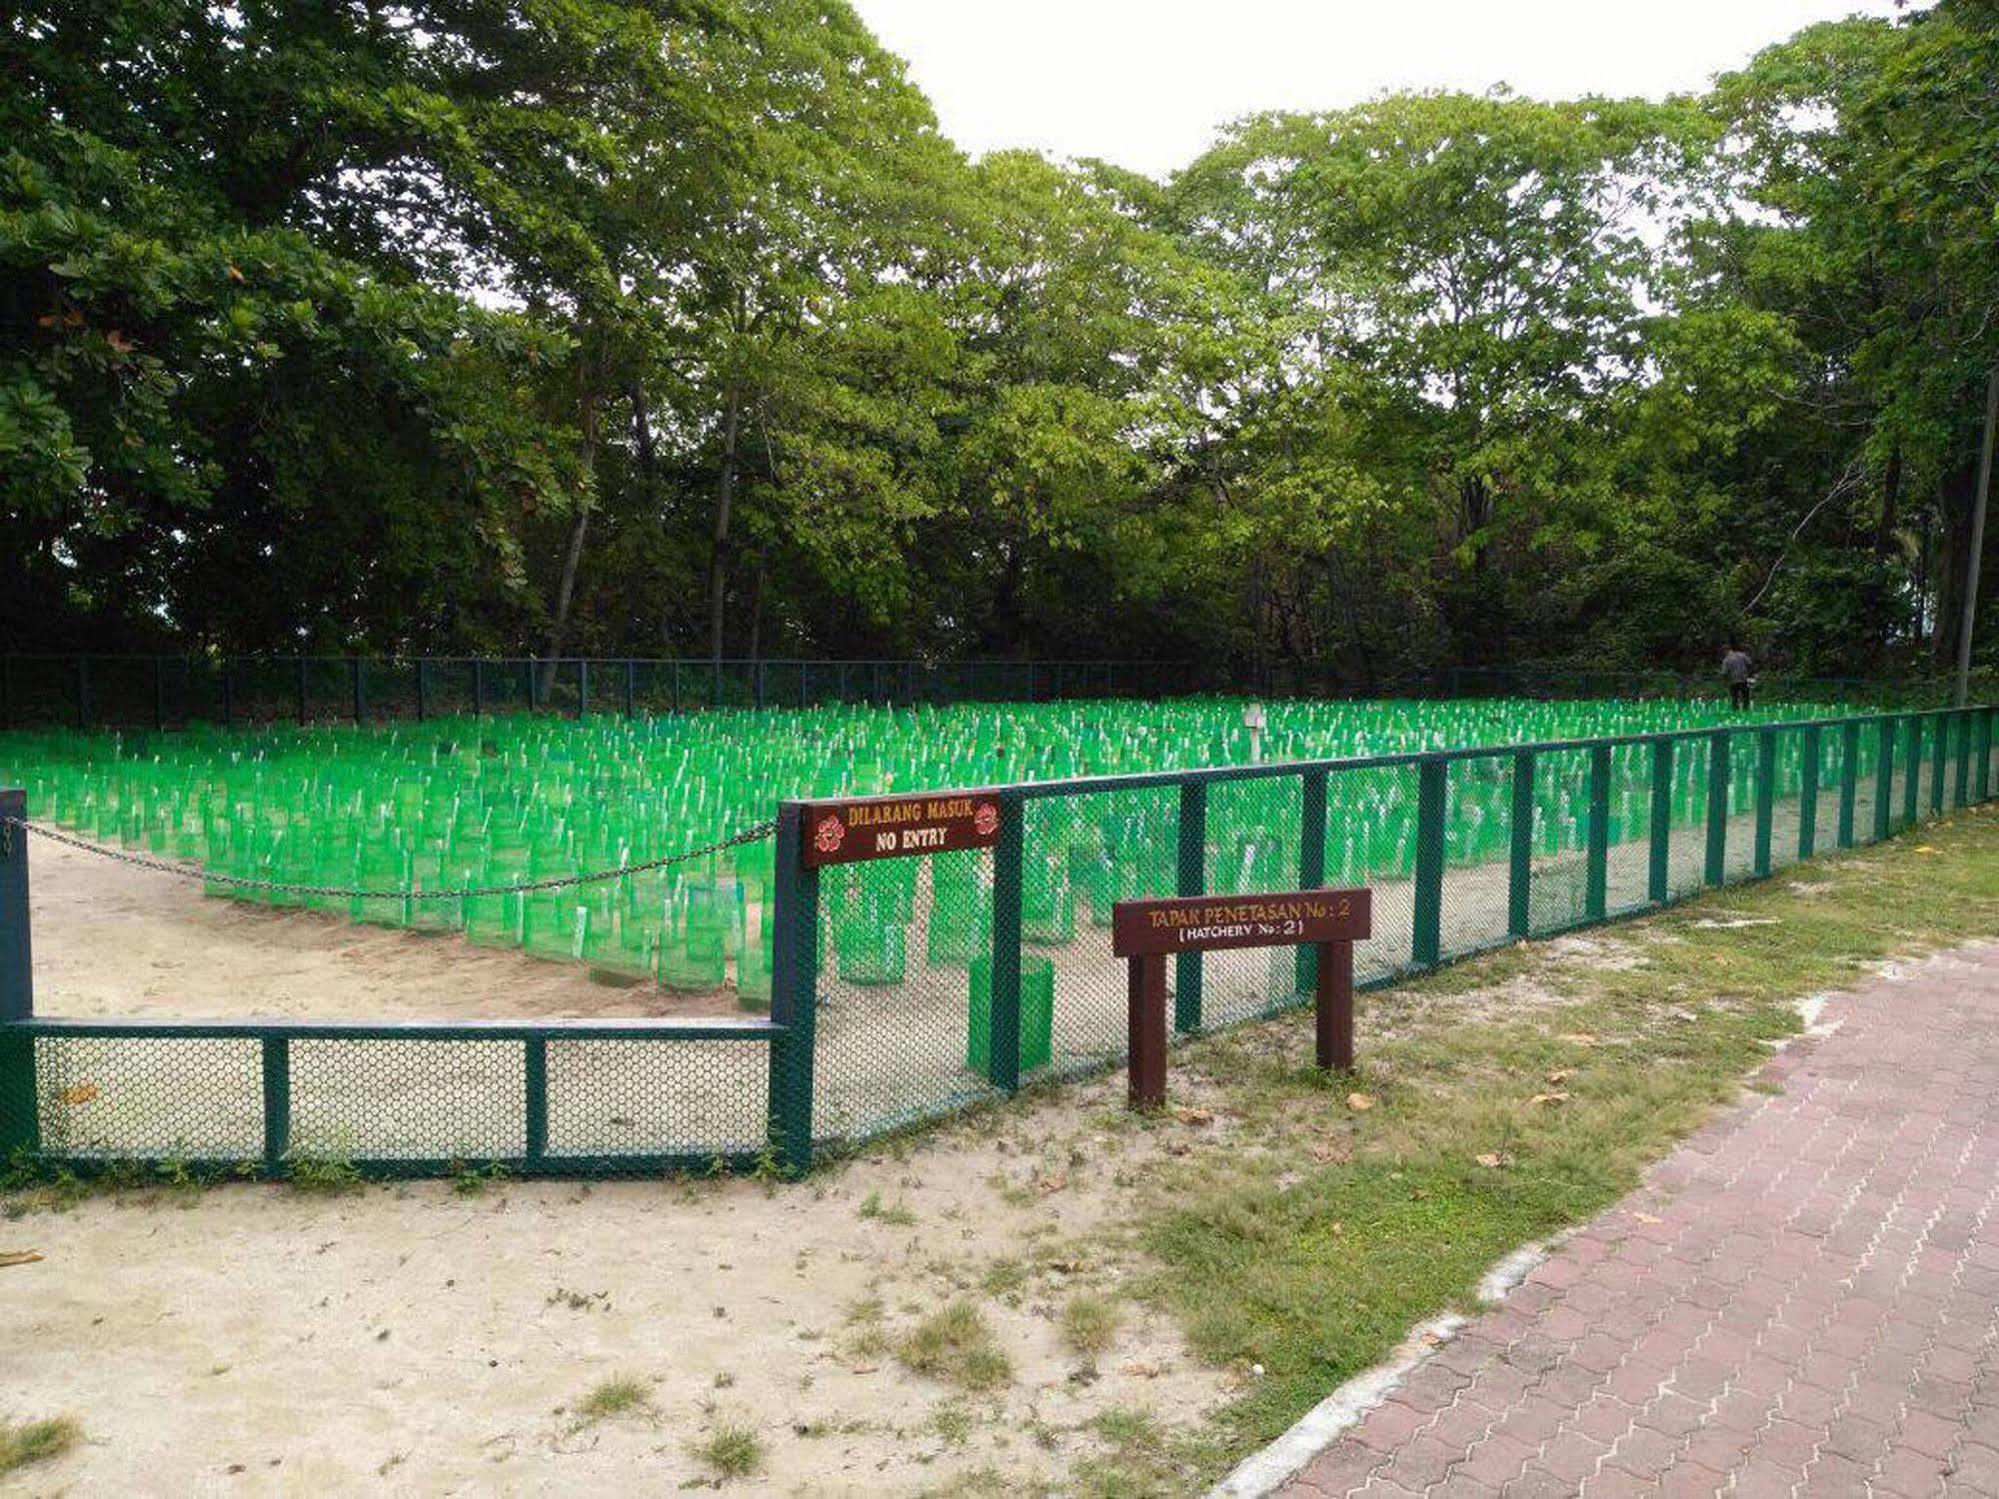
{"points": [[907, 988], [171, 691]]}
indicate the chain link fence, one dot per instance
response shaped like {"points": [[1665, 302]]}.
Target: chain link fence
{"points": [[907, 988]]}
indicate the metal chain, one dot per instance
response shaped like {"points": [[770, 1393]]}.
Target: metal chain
{"points": [[754, 834]]}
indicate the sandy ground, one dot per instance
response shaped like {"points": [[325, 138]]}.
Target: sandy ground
{"points": [[112, 940], [252, 1339]]}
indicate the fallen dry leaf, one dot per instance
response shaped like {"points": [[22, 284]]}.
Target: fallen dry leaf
{"points": [[1194, 1116], [1924, 848], [1492, 1160], [1332, 1153], [1046, 1184], [1359, 1102], [1558, 1076], [81, 1093], [1548, 1098], [19, 1257], [1647, 1218], [1144, 1370]]}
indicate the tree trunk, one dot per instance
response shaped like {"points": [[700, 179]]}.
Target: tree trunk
{"points": [[1954, 496], [725, 494], [565, 588], [757, 605]]}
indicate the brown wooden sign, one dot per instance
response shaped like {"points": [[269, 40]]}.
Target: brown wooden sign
{"points": [[1147, 931], [1211, 923], [887, 827]]}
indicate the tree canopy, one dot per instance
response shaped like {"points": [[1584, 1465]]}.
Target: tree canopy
{"points": [[675, 327]]}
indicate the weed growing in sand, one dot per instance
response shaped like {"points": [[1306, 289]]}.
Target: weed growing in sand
{"points": [[730, 1452], [957, 1346], [331, 1174], [1089, 1323], [622, 1396], [896, 1215], [470, 1181], [36, 1441]]}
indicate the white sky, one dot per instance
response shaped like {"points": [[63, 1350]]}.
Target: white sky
{"points": [[1146, 83]]}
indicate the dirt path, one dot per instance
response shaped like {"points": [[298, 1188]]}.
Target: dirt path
{"points": [[257, 1339], [1800, 1300]]}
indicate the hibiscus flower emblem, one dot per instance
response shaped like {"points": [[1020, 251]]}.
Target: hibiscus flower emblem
{"points": [[830, 834], [985, 819]]}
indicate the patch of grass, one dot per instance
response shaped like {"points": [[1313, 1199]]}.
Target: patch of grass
{"points": [[1004, 1278], [328, 1175], [1486, 1127], [730, 1452], [620, 1396], [956, 1345], [953, 1422], [1139, 1460], [1090, 1323], [896, 1215], [470, 1181], [36, 1441]]}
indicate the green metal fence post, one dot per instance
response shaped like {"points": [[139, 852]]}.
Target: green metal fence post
{"points": [[277, 1061], [1766, 796], [1596, 869], [1717, 808], [1009, 857], [534, 1080], [358, 669], [1884, 781], [794, 992], [1425, 940], [1912, 777], [20, 1128], [1808, 792], [1659, 882], [1193, 880], [1849, 779], [1311, 866], [631, 689], [1520, 865], [478, 687], [582, 690]]}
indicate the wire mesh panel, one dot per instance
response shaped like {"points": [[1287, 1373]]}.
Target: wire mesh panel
{"points": [[1371, 840], [1831, 778], [1560, 873], [904, 961], [631, 1101], [1478, 844], [1740, 854], [1114, 846], [418, 1100], [1787, 783], [1254, 830], [1628, 840], [149, 1098]]}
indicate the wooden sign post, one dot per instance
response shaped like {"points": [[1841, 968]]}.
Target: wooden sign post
{"points": [[1147, 932]]}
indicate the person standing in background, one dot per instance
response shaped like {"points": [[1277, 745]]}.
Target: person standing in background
{"points": [[1735, 669]]}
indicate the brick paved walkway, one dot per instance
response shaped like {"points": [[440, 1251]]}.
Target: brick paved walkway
{"points": [[1802, 1300]]}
